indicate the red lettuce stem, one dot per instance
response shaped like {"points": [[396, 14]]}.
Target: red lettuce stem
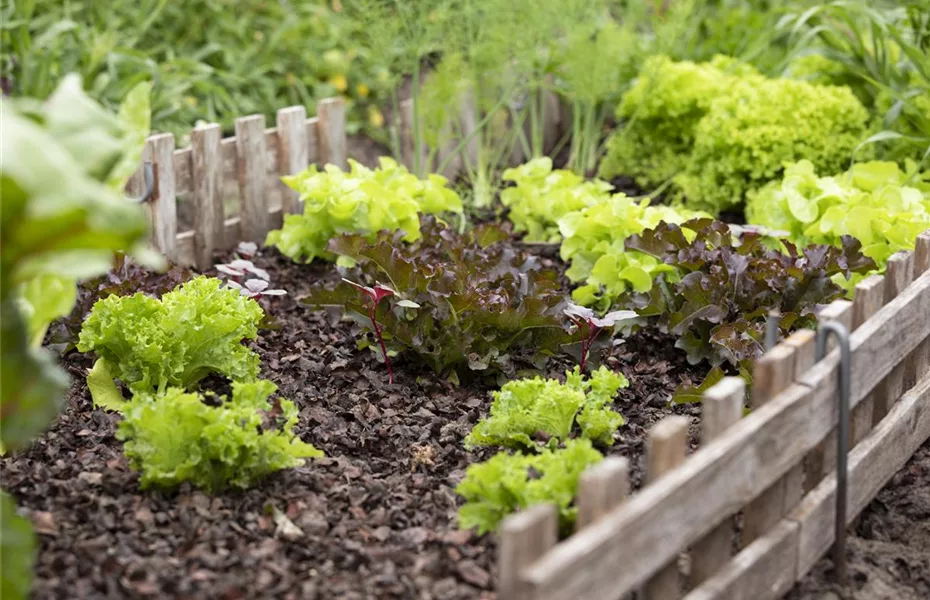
{"points": [[372, 313]]}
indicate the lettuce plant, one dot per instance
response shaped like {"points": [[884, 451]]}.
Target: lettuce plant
{"points": [[528, 411], [178, 437], [718, 130], [459, 302], [362, 201], [589, 326], [728, 285], [594, 244], [507, 483], [882, 206], [197, 329], [542, 196]]}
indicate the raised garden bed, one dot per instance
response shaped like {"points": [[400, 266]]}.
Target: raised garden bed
{"points": [[377, 516]]}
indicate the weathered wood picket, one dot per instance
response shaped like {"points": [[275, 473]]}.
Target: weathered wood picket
{"points": [[249, 165], [675, 538]]}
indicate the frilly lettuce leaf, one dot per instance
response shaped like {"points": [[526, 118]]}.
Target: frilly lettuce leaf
{"points": [[507, 483]]}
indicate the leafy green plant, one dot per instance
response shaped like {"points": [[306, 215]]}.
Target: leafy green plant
{"points": [[881, 49], [506, 483], [459, 302], [879, 204], [363, 201], [594, 244], [179, 436], [719, 130], [729, 284], [542, 196], [150, 344], [61, 218], [529, 412], [221, 65], [761, 124]]}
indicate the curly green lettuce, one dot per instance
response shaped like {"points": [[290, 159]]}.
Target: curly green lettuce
{"points": [[542, 196], [193, 331], [178, 437], [719, 130], [878, 203], [362, 201], [526, 410], [507, 483]]}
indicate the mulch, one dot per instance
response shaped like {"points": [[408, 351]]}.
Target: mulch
{"points": [[888, 548], [376, 518]]}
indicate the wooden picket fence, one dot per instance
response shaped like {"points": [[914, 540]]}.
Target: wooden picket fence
{"points": [[249, 165], [676, 537]]}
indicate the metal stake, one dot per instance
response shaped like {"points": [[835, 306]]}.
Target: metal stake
{"points": [[148, 175], [842, 439], [771, 329]]}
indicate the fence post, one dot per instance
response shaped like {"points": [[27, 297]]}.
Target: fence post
{"points": [[898, 275], [251, 169], [602, 488], [869, 299], [332, 127], [207, 181], [773, 373], [294, 152], [666, 448], [721, 407], [525, 537], [163, 204], [920, 358]]}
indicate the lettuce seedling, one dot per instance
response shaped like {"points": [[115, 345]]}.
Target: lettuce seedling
{"points": [[240, 268], [589, 325], [507, 483], [255, 288], [197, 329], [527, 411], [178, 437], [373, 297]]}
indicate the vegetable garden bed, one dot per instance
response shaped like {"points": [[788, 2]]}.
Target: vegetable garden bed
{"points": [[377, 516]]}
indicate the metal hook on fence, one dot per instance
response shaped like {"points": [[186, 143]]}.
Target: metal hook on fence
{"points": [[842, 438], [148, 176]]}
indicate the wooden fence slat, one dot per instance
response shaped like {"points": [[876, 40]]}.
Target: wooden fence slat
{"points": [[898, 275], [183, 172], [407, 142], [332, 131], [772, 374], [294, 152], [869, 298], [525, 537], [251, 169], [602, 488], [657, 523], [313, 140], [804, 342], [207, 177], [871, 464], [764, 570], [721, 407], [920, 360], [666, 448], [163, 204]]}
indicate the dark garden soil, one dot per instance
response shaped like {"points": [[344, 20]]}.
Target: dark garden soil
{"points": [[888, 548], [376, 518]]}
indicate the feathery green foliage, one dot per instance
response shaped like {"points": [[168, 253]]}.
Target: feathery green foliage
{"points": [[178, 437]]}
